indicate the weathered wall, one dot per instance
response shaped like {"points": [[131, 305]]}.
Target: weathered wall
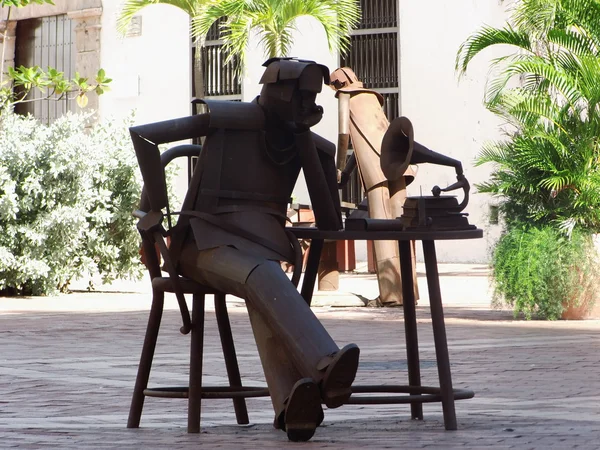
{"points": [[448, 115], [152, 71], [87, 15]]}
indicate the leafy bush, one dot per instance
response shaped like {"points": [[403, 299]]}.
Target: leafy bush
{"points": [[540, 271], [66, 197], [50, 82], [545, 173], [546, 89]]}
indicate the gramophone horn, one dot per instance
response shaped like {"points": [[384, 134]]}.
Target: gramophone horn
{"points": [[397, 148]]}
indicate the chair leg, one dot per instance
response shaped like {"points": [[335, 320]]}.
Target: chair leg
{"points": [[141, 381], [196, 354], [231, 363]]}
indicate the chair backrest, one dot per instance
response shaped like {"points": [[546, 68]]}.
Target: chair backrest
{"points": [[189, 151], [149, 252]]}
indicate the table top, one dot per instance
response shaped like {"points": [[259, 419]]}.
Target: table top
{"points": [[400, 235]]}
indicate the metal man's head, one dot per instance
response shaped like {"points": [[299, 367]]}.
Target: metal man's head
{"points": [[290, 88], [345, 80]]}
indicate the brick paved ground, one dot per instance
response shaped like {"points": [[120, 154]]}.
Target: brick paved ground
{"points": [[68, 364]]}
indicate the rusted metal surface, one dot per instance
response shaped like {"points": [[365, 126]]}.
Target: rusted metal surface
{"points": [[160, 285], [231, 229], [329, 275], [417, 394], [363, 121], [437, 212]]}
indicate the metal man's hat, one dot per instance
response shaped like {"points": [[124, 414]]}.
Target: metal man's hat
{"points": [[345, 80], [309, 74]]}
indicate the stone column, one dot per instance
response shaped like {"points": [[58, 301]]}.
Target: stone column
{"points": [[8, 29], [87, 43]]}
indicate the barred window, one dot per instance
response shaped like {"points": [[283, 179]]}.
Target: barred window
{"points": [[46, 42], [218, 79], [373, 57], [378, 14]]}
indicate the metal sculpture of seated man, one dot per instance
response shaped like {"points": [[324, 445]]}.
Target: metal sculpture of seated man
{"points": [[231, 234]]}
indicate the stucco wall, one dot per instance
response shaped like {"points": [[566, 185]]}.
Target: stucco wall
{"points": [[448, 115], [60, 7], [151, 75], [151, 72]]}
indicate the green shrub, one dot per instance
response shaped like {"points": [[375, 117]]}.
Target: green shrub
{"points": [[66, 197], [539, 271]]}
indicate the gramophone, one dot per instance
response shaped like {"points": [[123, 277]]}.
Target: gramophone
{"points": [[433, 212]]}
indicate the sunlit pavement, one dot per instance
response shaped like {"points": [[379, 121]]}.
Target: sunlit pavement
{"points": [[68, 366]]}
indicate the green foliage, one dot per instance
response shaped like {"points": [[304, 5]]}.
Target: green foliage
{"points": [[66, 197], [21, 3], [546, 171], [540, 271], [273, 20], [19, 82], [51, 82]]}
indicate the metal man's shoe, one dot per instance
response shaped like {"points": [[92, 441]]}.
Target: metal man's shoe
{"points": [[303, 412], [336, 387]]}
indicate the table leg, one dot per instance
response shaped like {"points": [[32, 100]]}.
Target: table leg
{"points": [[312, 267], [410, 325], [439, 335]]}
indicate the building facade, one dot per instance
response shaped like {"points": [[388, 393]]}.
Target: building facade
{"points": [[405, 50]]}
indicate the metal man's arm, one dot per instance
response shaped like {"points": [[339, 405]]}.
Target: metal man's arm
{"points": [[345, 166], [344, 130], [146, 139]]}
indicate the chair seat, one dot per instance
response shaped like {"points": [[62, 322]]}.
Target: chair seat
{"points": [[165, 284]]}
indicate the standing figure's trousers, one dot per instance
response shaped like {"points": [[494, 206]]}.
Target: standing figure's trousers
{"points": [[291, 341]]}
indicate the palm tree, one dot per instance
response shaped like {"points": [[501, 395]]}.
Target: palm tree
{"points": [[547, 169], [274, 20]]}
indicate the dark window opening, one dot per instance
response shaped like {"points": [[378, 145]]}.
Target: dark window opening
{"points": [[46, 42], [217, 77], [378, 14], [373, 56], [374, 59]]}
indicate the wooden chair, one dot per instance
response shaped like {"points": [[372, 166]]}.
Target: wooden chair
{"points": [[154, 238]]}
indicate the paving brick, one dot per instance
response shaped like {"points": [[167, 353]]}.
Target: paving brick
{"points": [[68, 366]]}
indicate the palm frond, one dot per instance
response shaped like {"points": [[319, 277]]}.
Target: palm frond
{"points": [[565, 83], [536, 17], [132, 7], [274, 21], [585, 14], [575, 43], [487, 37]]}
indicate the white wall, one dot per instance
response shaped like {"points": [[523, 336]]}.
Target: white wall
{"points": [[448, 115], [151, 73]]}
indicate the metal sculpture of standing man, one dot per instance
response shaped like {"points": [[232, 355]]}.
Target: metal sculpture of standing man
{"points": [[231, 235], [363, 121]]}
